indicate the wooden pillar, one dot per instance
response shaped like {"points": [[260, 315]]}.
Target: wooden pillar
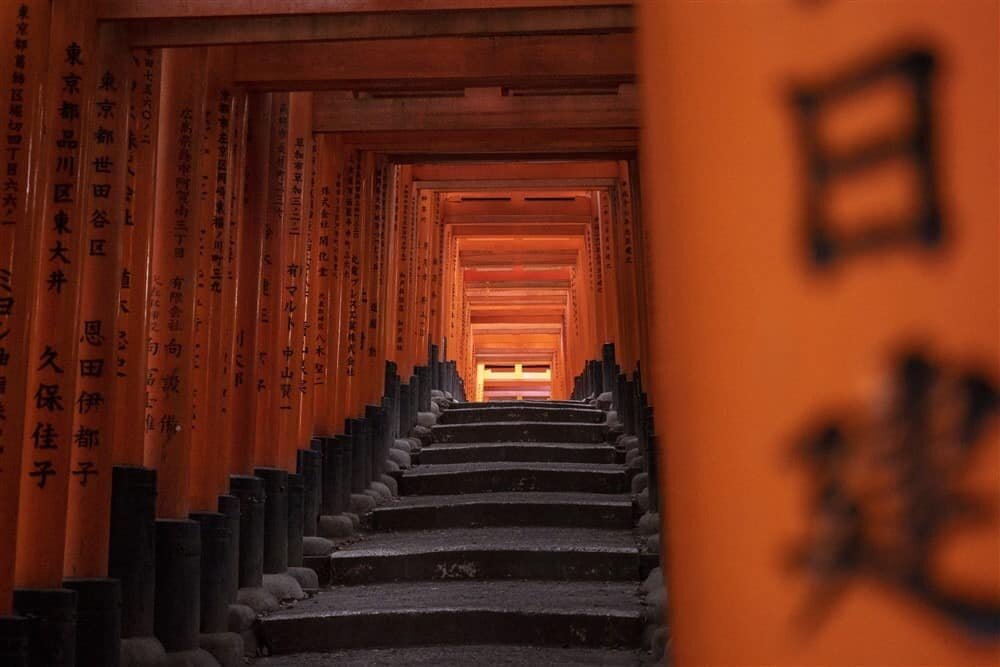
{"points": [[339, 284], [593, 236], [609, 269], [24, 29], [233, 411], [210, 460], [364, 375], [826, 237], [51, 392], [292, 281], [268, 353], [323, 290], [311, 291], [104, 207], [377, 310], [173, 277], [403, 231], [424, 272], [251, 241], [136, 241], [626, 260], [351, 288]]}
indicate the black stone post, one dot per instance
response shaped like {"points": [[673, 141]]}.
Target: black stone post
{"points": [[132, 546], [391, 385], [310, 464], [229, 507], [98, 620], [652, 469], [296, 516], [215, 548], [177, 616], [607, 367], [377, 415], [415, 392], [52, 625], [403, 410], [424, 373], [346, 446], [388, 434], [435, 368], [15, 632], [332, 497], [250, 492], [628, 421], [358, 462], [275, 519]]}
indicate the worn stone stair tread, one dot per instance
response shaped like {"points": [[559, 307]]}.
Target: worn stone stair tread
{"points": [[496, 414], [445, 478], [453, 468], [572, 613], [489, 553], [500, 508], [505, 538], [565, 597], [459, 452], [520, 431], [502, 655], [514, 497], [510, 404]]}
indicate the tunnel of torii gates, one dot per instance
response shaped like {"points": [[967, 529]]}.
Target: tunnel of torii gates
{"points": [[211, 253]]}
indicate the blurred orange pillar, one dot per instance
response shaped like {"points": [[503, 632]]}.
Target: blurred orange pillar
{"points": [[795, 257]]}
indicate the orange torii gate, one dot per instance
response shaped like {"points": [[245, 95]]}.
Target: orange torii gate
{"points": [[258, 299]]}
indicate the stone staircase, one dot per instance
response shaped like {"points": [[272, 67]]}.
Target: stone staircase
{"points": [[511, 543]]}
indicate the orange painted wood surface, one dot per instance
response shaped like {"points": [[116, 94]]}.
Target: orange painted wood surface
{"points": [[104, 198], [137, 233], [23, 55], [757, 345], [52, 395], [174, 274]]}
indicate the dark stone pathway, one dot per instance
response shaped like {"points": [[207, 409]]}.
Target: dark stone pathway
{"points": [[501, 551]]}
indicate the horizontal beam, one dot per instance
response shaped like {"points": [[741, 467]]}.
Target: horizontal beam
{"points": [[428, 146], [476, 109], [517, 170], [151, 9], [515, 184], [481, 230], [205, 31], [439, 63]]}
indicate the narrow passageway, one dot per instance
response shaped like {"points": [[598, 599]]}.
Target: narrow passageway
{"points": [[454, 332], [512, 543]]}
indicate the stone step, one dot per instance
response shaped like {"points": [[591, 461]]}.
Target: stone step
{"points": [[512, 476], [493, 655], [529, 431], [584, 510], [557, 554], [509, 404], [521, 413], [540, 613], [517, 451]]}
